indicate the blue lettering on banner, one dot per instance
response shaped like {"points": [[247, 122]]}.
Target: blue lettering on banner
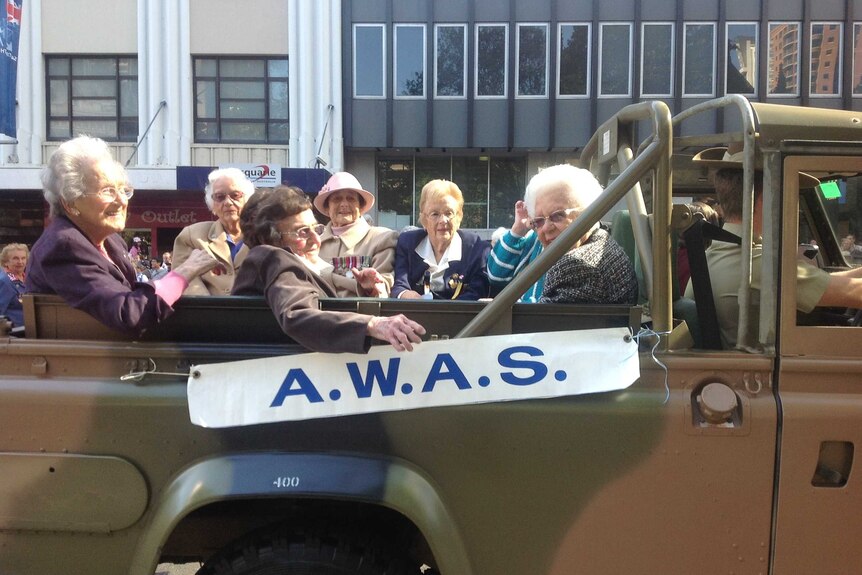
{"points": [[453, 372], [505, 359], [444, 368], [387, 380], [305, 388]]}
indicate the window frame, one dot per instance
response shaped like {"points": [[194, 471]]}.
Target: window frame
{"points": [[756, 25], [463, 95], [118, 119], [714, 59], [267, 81], [840, 60], [505, 27], [383, 67], [395, 94], [589, 61], [545, 26], [769, 48], [628, 94], [672, 26], [857, 25]]}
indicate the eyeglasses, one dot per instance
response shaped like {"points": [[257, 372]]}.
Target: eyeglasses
{"points": [[556, 217], [305, 233], [437, 216], [220, 197], [111, 193]]}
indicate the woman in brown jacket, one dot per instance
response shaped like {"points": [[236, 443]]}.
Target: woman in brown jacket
{"points": [[227, 191], [280, 228]]}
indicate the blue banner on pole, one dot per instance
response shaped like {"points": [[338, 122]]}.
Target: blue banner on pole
{"points": [[10, 31]]}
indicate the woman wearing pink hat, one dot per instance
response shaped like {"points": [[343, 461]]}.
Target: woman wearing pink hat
{"points": [[348, 241]]}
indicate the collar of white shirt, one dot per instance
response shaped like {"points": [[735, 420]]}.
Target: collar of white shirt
{"points": [[452, 253]]}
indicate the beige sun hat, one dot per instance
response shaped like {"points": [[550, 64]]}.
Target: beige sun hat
{"points": [[342, 181], [732, 158]]}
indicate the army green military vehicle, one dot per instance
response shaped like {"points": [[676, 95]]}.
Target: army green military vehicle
{"points": [[713, 461]]}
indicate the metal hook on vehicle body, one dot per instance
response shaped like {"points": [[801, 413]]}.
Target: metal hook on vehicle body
{"points": [[138, 375]]}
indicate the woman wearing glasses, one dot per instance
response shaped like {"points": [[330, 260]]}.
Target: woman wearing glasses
{"points": [[80, 255], [227, 191], [283, 266], [441, 261], [595, 270]]}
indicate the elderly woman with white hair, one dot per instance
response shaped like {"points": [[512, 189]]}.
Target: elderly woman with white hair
{"points": [[81, 256], [595, 270], [226, 192]]}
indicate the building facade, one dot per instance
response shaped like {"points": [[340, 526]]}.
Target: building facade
{"points": [[487, 92], [177, 88], [482, 92]]}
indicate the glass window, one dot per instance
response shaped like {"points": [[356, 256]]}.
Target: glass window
{"points": [[471, 175], [573, 60], [742, 54], [657, 59], [825, 59], [278, 104], [532, 58], [236, 100], [450, 57], [490, 185], [369, 60], [395, 193], [699, 60], [783, 74], [857, 60], [409, 64], [615, 55], [492, 60], [94, 95]]}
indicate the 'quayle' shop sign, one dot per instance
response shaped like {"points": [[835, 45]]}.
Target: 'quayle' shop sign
{"points": [[436, 373]]}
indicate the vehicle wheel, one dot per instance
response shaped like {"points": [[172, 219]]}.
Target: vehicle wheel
{"points": [[292, 553]]}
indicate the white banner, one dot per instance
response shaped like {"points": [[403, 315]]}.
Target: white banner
{"points": [[436, 373]]}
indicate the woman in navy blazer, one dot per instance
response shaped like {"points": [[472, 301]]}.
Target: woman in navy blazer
{"points": [[441, 261]]}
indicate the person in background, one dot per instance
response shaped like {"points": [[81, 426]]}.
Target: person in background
{"points": [[167, 261], [441, 261], [595, 270], [81, 256], [348, 238], [135, 250], [13, 261], [227, 191], [142, 271], [281, 230], [157, 270]]}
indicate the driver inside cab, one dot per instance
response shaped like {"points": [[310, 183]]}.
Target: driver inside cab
{"points": [[814, 287]]}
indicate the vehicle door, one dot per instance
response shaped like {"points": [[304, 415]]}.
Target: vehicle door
{"points": [[819, 493]]}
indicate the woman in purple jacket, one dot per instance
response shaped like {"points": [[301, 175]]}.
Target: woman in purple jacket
{"points": [[81, 257]]}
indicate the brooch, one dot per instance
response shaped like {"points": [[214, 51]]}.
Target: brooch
{"points": [[456, 282]]}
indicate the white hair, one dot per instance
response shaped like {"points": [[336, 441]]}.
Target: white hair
{"points": [[580, 185], [63, 178], [236, 175]]}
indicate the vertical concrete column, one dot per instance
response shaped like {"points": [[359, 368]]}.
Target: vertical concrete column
{"points": [[314, 44], [164, 75]]}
